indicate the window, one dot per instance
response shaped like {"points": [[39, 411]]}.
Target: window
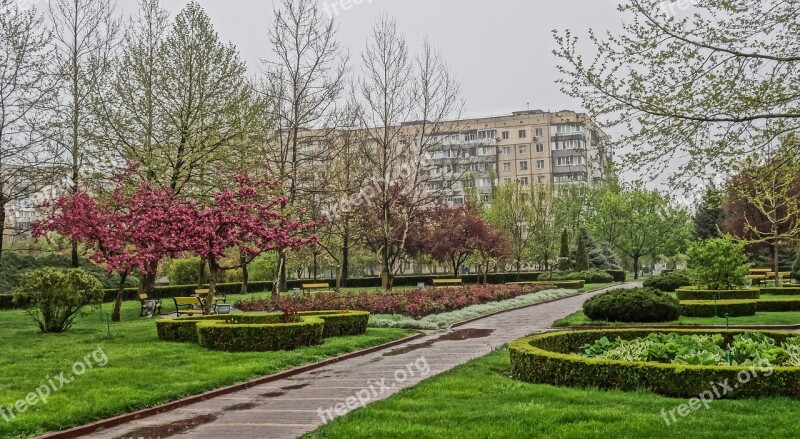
{"points": [[505, 135], [540, 164], [539, 132], [523, 150], [506, 150], [523, 166], [523, 134], [540, 179], [539, 147], [484, 182], [506, 167], [506, 180], [523, 181]]}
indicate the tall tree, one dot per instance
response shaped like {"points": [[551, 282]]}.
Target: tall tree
{"points": [[305, 79], [565, 260], [639, 222], [581, 254], [710, 80], [26, 91], [710, 215], [406, 102], [85, 36], [510, 210]]}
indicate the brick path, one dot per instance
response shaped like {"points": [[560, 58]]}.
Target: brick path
{"points": [[294, 406]]}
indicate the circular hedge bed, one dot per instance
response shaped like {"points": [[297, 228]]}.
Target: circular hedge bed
{"points": [[711, 308], [691, 293], [781, 291], [262, 331], [551, 358], [644, 305]]}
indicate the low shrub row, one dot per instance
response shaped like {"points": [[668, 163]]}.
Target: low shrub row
{"points": [[265, 332], [632, 305], [782, 305], [565, 284], [695, 294], [592, 276], [550, 358], [415, 303], [711, 308], [781, 291]]}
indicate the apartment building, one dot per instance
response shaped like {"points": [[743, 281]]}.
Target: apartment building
{"points": [[529, 147]]}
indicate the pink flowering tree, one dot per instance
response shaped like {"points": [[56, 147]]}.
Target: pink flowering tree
{"points": [[131, 230], [247, 217]]}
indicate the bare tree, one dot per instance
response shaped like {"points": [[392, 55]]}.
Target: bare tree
{"points": [[26, 92], [305, 79], [85, 35], [406, 104]]}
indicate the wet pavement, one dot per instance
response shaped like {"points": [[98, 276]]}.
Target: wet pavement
{"points": [[291, 407]]}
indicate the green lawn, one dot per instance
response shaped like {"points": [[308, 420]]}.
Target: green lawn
{"points": [[761, 318], [593, 287], [479, 400], [141, 371]]}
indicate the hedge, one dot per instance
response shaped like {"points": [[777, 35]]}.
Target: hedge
{"points": [[782, 305], [781, 291], [706, 308], [220, 335], [549, 358], [337, 323], [566, 284], [695, 294], [618, 275]]}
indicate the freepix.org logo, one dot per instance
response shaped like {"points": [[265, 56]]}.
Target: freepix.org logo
{"points": [[334, 8]]}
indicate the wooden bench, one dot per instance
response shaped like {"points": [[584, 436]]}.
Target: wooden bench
{"points": [[447, 282], [190, 306], [218, 297], [144, 300], [319, 288]]}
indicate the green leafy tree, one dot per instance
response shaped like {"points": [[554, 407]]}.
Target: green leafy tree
{"points": [[639, 222], [710, 214], [55, 297], [719, 263], [564, 262], [581, 256]]}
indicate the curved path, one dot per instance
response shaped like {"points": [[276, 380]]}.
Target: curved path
{"points": [[297, 405]]}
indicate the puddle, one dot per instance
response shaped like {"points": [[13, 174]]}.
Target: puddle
{"points": [[272, 394], [167, 430], [295, 387], [457, 335], [240, 406]]}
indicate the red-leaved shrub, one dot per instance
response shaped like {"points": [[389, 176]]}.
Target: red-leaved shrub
{"points": [[415, 303]]}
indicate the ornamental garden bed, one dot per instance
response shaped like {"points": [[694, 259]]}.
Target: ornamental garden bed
{"points": [[712, 308], [560, 358], [267, 332], [781, 291], [416, 303]]}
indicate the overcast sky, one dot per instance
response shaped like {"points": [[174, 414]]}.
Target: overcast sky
{"points": [[501, 49]]}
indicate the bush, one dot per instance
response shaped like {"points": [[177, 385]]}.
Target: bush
{"points": [[184, 271], [592, 276], [13, 265], [549, 358], [55, 297], [707, 308], [718, 264], [781, 291], [618, 275], [783, 305], [341, 323], [231, 336], [669, 282], [695, 294], [632, 305]]}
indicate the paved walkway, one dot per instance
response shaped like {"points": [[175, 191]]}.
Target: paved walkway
{"points": [[297, 405]]}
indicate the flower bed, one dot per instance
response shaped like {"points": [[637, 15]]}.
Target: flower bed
{"points": [[416, 303], [553, 358]]}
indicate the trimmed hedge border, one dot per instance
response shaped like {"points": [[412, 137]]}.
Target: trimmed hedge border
{"points": [[337, 323], [706, 308], [566, 284], [219, 335], [782, 305], [549, 358], [695, 294], [618, 275], [781, 291]]}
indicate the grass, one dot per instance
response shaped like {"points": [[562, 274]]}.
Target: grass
{"points": [[141, 371], [478, 399], [761, 318]]}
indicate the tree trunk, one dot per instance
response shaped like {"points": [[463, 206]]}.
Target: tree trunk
{"points": [[148, 284], [775, 264], [201, 270], [245, 274], [636, 267], [214, 272], [345, 258], [2, 223], [116, 315], [280, 273], [315, 265]]}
